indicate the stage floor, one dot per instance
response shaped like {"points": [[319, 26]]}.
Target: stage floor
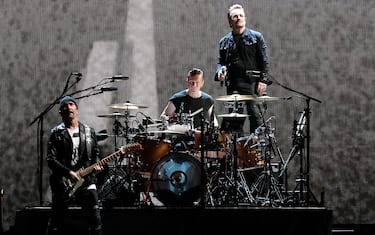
{"points": [[208, 220]]}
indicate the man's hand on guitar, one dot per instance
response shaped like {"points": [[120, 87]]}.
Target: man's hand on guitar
{"points": [[98, 168], [74, 176]]}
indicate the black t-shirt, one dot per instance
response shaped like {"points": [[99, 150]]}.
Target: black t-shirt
{"points": [[186, 104]]}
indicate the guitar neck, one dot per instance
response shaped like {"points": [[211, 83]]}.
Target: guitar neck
{"points": [[123, 150], [90, 169]]}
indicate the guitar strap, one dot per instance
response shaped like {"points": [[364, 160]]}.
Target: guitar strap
{"points": [[88, 141]]}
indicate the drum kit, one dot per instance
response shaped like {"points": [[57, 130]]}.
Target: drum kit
{"points": [[180, 165]]}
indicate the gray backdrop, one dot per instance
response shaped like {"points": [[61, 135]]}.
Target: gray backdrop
{"points": [[324, 49]]}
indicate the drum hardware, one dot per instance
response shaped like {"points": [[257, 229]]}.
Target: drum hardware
{"points": [[230, 104], [299, 149], [225, 189], [120, 187], [304, 183], [227, 186], [266, 188], [121, 177]]}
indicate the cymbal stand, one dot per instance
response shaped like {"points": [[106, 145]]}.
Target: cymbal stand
{"points": [[120, 176], [266, 186], [228, 185], [202, 161], [111, 186], [304, 181]]}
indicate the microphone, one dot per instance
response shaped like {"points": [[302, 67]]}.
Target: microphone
{"points": [[108, 89], [224, 72], [118, 77]]}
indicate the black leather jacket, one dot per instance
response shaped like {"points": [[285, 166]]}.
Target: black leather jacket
{"points": [[59, 152], [255, 43]]}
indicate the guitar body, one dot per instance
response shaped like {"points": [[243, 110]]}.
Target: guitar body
{"points": [[72, 186]]}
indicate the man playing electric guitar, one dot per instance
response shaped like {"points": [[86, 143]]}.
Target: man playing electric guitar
{"points": [[72, 145]]}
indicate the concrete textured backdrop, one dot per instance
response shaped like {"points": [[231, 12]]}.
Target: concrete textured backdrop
{"points": [[324, 49]]}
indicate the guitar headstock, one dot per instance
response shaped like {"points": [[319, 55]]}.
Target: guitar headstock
{"points": [[130, 148]]}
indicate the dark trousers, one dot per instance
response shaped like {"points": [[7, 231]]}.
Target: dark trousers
{"points": [[87, 199], [253, 110]]}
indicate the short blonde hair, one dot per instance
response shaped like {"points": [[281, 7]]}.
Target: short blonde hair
{"points": [[231, 8]]}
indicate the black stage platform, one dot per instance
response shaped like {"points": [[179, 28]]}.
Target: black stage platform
{"points": [[195, 221]]}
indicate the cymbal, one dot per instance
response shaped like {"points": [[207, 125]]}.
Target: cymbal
{"points": [[235, 97], [127, 105], [269, 98], [115, 115], [166, 132], [233, 115]]}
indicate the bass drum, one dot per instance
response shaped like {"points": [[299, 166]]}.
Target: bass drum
{"points": [[177, 179]]}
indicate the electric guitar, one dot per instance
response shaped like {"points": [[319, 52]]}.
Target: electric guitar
{"points": [[72, 186]]}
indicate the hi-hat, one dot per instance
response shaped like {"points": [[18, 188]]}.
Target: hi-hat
{"points": [[115, 115], [127, 105], [235, 97], [233, 115]]}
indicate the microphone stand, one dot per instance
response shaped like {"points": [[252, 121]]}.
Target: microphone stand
{"points": [[40, 118], [40, 144], [304, 174]]}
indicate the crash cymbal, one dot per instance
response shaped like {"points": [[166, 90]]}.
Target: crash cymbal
{"points": [[269, 98], [235, 97], [233, 115], [127, 105], [115, 115]]}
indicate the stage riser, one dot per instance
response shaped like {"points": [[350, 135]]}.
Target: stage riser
{"points": [[187, 221]]}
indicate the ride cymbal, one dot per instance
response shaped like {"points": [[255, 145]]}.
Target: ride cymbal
{"points": [[269, 98], [115, 115], [235, 97], [233, 115], [127, 105]]}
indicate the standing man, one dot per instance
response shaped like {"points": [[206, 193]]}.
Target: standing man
{"points": [[72, 146], [243, 62]]}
